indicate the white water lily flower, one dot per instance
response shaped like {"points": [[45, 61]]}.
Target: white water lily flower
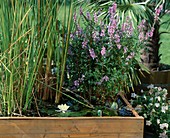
{"points": [[63, 107]]}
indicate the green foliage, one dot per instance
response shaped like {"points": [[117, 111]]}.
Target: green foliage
{"points": [[19, 54], [101, 57]]}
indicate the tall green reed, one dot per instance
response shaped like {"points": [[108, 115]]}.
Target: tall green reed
{"points": [[58, 19], [31, 31], [17, 57]]}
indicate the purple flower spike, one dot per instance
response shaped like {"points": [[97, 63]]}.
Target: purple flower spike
{"points": [[151, 32], [105, 78], [119, 46], [102, 33], [141, 36], [103, 51], [84, 44], [117, 38], [88, 16], [112, 9], [92, 54], [125, 49], [95, 18], [81, 11], [75, 17]]}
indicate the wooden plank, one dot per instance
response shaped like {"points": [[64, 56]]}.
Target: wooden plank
{"points": [[83, 127], [75, 136]]}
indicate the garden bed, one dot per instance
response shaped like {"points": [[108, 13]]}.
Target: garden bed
{"points": [[74, 127]]}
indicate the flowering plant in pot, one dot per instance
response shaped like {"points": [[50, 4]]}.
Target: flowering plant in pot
{"points": [[101, 57], [153, 106]]}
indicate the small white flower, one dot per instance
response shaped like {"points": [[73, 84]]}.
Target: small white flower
{"points": [[159, 98], [151, 99], [163, 98], [164, 126], [138, 108], [165, 90], [148, 123], [163, 135], [144, 97], [114, 106], [151, 86], [141, 91], [150, 92], [164, 108], [150, 104], [63, 107], [145, 105], [157, 93], [158, 121], [145, 116], [157, 104], [153, 111], [159, 88], [133, 95]]}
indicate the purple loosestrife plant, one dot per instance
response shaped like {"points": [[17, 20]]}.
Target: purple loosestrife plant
{"points": [[104, 53]]}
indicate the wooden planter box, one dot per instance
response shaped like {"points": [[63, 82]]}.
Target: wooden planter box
{"points": [[71, 127], [157, 78]]}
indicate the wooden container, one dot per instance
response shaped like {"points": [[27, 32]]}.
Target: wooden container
{"points": [[71, 127]]}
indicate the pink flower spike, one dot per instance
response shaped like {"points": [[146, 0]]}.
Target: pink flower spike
{"points": [[119, 46], [125, 49], [105, 78], [102, 33], [95, 18], [92, 54], [84, 44], [103, 51]]}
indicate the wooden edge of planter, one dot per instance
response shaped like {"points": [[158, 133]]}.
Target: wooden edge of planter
{"points": [[72, 118], [71, 127]]}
